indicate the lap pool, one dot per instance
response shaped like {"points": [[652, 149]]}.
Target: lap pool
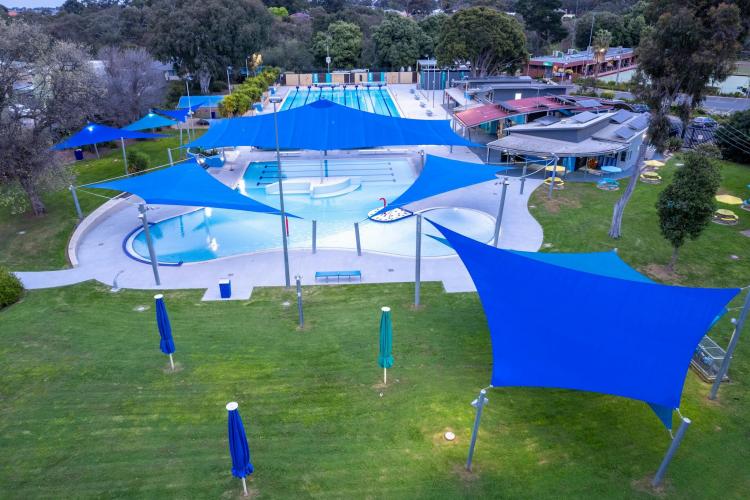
{"points": [[206, 233]]}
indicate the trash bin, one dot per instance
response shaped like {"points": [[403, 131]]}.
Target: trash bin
{"points": [[273, 90], [225, 288], [79, 154], [213, 115]]}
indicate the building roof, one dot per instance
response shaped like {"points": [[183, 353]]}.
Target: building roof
{"points": [[614, 137], [492, 112], [586, 55]]}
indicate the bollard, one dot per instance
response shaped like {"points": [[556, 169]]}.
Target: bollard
{"points": [[298, 278]]}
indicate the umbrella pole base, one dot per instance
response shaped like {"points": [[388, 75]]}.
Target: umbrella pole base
{"points": [[171, 362], [244, 487]]}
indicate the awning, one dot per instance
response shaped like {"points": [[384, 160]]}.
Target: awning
{"points": [[185, 184], [325, 126], [150, 121], [94, 133], [634, 338], [441, 175]]}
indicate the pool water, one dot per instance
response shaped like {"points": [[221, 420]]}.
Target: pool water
{"points": [[206, 233], [371, 99]]}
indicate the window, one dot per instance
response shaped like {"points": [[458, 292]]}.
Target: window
{"points": [[623, 155]]}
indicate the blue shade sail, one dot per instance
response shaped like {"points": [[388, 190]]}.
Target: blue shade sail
{"points": [[150, 121], [178, 114], [633, 339], [166, 344], [94, 133], [441, 175], [185, 184], [238, 448], [323, 126], [197, 101]]}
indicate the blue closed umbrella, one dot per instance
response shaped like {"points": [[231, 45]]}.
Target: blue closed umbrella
{"points": [[238, 449], [166, 344]]}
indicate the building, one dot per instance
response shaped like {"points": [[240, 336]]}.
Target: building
{"points": [[495, 118], [583, 140], [498, 89], [574, 64]]}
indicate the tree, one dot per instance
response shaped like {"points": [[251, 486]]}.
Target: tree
{"points": [[689, 45], [290, 55], [48, 90], [205, 36], [686, 205], [733, 138], [490, 41], [133, 84], [281, 12], [600, 46], [342, 40], [544, 18], [601, 21], [399, 42], [432, 26]]}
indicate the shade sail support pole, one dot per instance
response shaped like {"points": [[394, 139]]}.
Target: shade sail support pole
{"points": [[124, 155], [96, 150], [300, 313], [671, 452], [169, 154], [314, 236], [171, 362], [418, 262], [500, 209], [479, 405], [281, 198], [244, 487], [356, 237], [523, 175], [75, 202], [724, 369], [151, 251]]}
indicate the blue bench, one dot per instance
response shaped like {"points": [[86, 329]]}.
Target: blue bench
{"points": [[338, 275]]}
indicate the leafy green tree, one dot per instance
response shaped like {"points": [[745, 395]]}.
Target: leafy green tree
{"points": [[399, 42], [734, 137], [686, 205], [544, 18], [290, 55], [281, 12], [342, 40], [206, 36], [491, 41], [689, 45], [432, 26]]}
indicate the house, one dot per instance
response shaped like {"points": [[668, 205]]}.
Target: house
{"points": [[583, 140], [574, 64]]}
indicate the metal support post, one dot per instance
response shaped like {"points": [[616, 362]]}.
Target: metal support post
{"points": [[479, 405], [500, 209], [298, 278], [124, 155], [523, 175], [151, 252], [96, 150], [670, 452], [552, 184], [75, 202], [315, 236], [418, 269], [275, 101], [356, 236], [488, 155], [169, 154], [730, 349]]}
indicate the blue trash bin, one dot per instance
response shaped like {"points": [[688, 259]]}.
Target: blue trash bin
{"points": [[78, 153], [225, 288]]}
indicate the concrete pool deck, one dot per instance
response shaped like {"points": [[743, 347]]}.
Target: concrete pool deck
{"points": [[96, 248]]}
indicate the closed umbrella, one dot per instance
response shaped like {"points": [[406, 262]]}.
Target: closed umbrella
{"points": [[238, 449], [729, 199], [165, 328], [385, 358]]}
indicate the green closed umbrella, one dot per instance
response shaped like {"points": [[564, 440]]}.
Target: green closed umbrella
{"points": [[385, 358]]}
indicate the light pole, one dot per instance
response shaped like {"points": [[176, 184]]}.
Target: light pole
{"points": [[247, 68], [188, 78], [229, 83], [328, 57], [276, 100]]}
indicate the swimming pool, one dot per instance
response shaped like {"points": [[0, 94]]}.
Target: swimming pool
{"points": [[206, 234], [372, 99]]}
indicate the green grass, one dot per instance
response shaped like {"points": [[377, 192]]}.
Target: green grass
{"points": [[44, 242], [87, 408]]}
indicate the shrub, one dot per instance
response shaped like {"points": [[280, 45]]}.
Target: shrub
{"points": [[11, 288], [137, 162], [607, 94], [673, 144]]}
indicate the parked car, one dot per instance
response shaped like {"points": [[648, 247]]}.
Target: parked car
{"points": [[703, 122], [640, 108]]}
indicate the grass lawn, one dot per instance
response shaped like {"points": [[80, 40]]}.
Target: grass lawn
{"points": [[43, 244], [87, 408]]}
